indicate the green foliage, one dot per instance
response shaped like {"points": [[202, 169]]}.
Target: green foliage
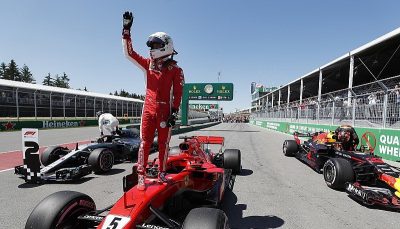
{"points": [[48, 81], [12, 72], [26, 75], [3, 68], [124, 93]]}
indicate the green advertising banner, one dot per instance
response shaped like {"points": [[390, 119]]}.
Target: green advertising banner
{"points": [[52, 124], [385, 142]]}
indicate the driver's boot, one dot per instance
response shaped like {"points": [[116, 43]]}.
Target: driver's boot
{"points": [[162, 178]]}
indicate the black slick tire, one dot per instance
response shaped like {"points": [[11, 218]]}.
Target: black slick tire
{"points": [[51, 154], [232, 160], [101, 160], [60, 210], [290, 148], [337, 172], [205, 218]]}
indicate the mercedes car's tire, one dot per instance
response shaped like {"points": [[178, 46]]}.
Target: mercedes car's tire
{"points": [[232, 160], [101, 160], [290, 148], [52, 154], [337, 172], [60, 210], [205, 218]]}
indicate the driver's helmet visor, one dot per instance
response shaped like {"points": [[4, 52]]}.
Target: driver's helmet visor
{"points": [[155, 43]]}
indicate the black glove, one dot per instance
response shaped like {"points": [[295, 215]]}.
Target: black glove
{"points": [[172, 118], [127, 23]]}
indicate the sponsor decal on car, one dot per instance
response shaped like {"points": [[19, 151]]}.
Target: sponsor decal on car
{"points": [[356, 191], [144, 225]]}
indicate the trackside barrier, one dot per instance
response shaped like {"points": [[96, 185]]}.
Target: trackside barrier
{"points": [[183, 129], [385, 142], [54, 124]]}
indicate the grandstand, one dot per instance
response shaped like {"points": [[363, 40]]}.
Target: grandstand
{"points": [[25, 101], [361, 88], [20, 100]]}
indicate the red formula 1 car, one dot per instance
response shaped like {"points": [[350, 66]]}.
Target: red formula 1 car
{"points": [[364, 176], [197, 177]]}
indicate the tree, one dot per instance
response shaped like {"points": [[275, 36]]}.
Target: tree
{"points": [[3, 69], [12, 72], [48, 81], [26, 75], [58, 81], [65, 81]]}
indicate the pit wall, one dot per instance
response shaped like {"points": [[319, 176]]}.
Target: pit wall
{"points": [[385, 142]]}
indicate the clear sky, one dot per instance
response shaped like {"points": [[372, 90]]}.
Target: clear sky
{"points": [[269, 42]]}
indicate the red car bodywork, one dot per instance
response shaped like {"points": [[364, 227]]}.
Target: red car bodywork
{"points": [[192, 169]]}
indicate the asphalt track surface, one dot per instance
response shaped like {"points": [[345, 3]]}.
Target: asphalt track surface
{"points": [[272, 192]]}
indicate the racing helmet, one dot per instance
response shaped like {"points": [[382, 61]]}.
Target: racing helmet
{"points": [[98, 113], [331, 137], [344, 135], [160, 45]]}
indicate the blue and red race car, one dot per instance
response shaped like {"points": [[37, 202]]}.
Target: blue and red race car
{"points": [[364, 176]]}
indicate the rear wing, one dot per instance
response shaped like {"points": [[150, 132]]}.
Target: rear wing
{"points": [[210, 139], [302, 135], [298, 135]]}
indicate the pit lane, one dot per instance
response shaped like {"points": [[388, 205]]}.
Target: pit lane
{"points": [[272, 192]]}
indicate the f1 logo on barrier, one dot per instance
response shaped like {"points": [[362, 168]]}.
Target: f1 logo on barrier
{"points": [[30, 154]]}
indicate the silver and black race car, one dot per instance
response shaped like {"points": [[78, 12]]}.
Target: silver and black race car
{"points": [[62, 164]]}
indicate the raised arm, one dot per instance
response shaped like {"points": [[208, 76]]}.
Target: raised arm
{"points": [[133, 56]]}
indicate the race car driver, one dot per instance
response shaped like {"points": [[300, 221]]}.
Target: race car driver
{"points": [[347, 135], [164, 84], [108, 125]]}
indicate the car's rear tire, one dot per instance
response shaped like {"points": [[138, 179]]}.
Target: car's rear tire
{"points": [[52, 154], [101, 160], [60, 210], [337, 172], [290, 148], [232, 160], [205, 218]]}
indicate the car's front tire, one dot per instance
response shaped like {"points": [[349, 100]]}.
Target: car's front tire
{"points": [[337, 172], [205, 218], [101, 160], [290, 148], [60, 210]]}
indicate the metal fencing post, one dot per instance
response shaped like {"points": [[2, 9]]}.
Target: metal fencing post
{"points": [[51, 107], [384, 115], [34, 102], [64, 105], [333, 112], [17, 103]]}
